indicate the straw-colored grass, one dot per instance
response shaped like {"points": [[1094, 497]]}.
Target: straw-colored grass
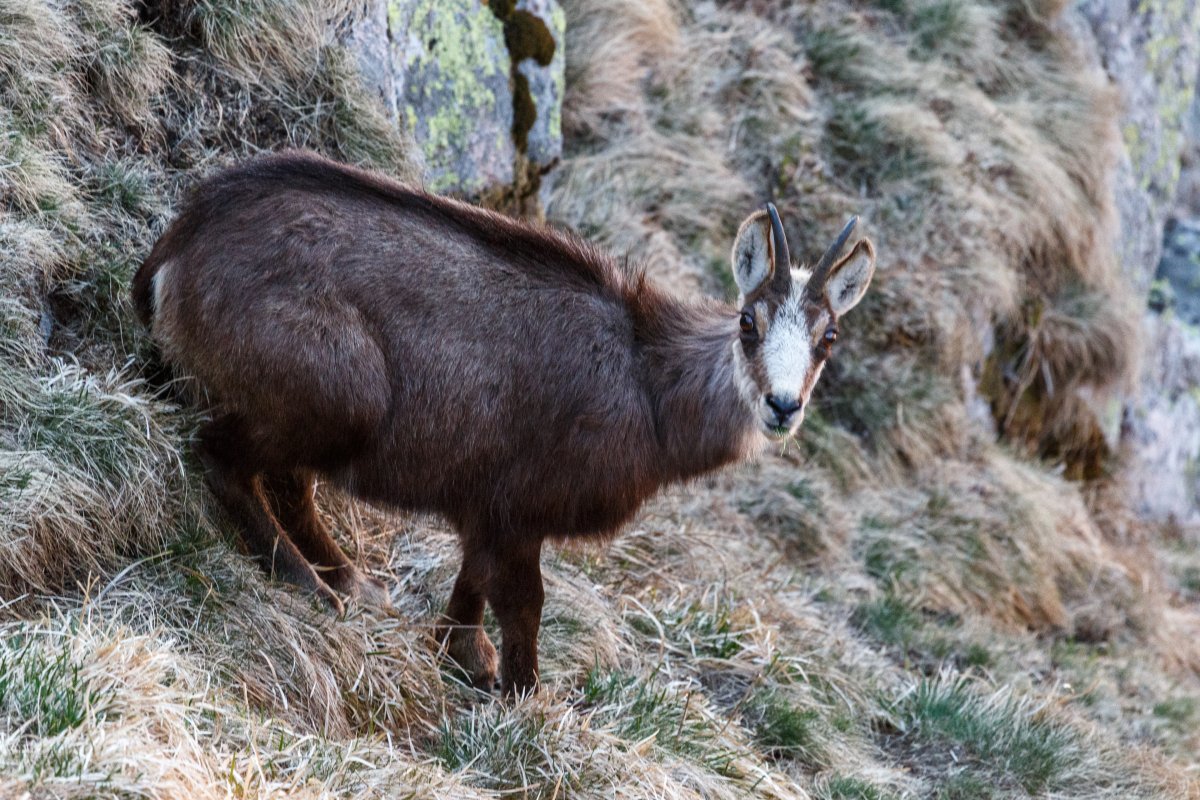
{"points": [[894, 606]]}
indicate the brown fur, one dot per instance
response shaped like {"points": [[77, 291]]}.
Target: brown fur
{"points": [[425, 354]]}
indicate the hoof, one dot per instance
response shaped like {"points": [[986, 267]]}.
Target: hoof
{"points": [[370, 592], [308, 581], [472, 651], [330, 599], [358, 588]]}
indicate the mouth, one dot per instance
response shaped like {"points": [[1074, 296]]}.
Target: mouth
{"points": [[777, 432]]}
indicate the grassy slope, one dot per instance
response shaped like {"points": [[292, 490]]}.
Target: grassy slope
{"points": [[893, 607]]}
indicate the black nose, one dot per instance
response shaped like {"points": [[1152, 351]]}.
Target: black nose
{"points": [[783, 407]]}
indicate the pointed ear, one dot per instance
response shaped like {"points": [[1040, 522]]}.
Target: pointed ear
{"points": [[849, 278], [753, 253]]}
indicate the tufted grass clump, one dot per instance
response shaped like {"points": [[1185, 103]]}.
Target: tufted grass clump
{"points": [[889, 619], [499, 749], [844, 788], [1013, 746], [784, 730], [641, 709]]}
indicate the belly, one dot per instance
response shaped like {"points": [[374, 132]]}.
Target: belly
{"points": [[578, 487]]}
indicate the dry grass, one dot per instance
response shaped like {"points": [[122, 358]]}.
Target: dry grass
{"points": [[613, 45], [893, 607]]}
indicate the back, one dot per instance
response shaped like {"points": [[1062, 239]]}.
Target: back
{"points": [[458, 343]]}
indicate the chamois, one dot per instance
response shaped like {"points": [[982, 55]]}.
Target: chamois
{"points": [[422, 353]]}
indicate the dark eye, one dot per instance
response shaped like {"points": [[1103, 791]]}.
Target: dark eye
{"points": [[747, 322], [830, 336]]}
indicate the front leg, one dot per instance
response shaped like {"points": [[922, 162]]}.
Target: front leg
{"points": [[515, 593], [461, 628]]}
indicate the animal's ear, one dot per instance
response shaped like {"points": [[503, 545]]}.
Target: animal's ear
{"points": [[753, 253], [849, 278]]}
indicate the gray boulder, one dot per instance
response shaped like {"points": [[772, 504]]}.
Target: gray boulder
{"points": [[445, 70], [451, 72], [368, 39], [547, 83]]}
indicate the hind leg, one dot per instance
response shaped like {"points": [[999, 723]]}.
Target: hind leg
{"points": [[227, 454], [291, 496]]}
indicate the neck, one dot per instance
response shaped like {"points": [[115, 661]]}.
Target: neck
{"points": [[703, 416]]}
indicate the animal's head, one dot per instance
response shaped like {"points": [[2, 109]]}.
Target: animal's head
{"points": [[789, 317]]}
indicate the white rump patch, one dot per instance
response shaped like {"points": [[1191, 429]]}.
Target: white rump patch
{"points": [[157, 284]]}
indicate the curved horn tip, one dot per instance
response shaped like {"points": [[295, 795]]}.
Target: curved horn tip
{"points": [[772, 214], [783, 258], [851, 224], [820, 273]]}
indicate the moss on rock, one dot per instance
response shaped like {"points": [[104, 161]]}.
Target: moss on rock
{"points": [[527, 37]]}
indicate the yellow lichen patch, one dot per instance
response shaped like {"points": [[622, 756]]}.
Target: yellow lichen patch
{"points": [[457, 74]]}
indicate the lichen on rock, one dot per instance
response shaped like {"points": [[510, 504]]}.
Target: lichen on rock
{"points": [[479, 85], [452, 69]]}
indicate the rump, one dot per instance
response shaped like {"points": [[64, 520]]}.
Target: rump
{"points": [[302, 370]]}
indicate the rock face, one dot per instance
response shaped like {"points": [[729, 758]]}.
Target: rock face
{"points": [[1161, 431], [452, 89], [479, 86], [546, 83], [1177, 288], [1162, 424], [1151, 51], [368, 39]]}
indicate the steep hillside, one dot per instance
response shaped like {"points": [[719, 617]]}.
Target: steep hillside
{"points": [[897, 604]]}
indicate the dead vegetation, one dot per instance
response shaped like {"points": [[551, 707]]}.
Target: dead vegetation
{"points": [[896, 606]]}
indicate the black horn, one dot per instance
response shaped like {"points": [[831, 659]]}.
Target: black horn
{"points": [[820, 274], [783, 259]]}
